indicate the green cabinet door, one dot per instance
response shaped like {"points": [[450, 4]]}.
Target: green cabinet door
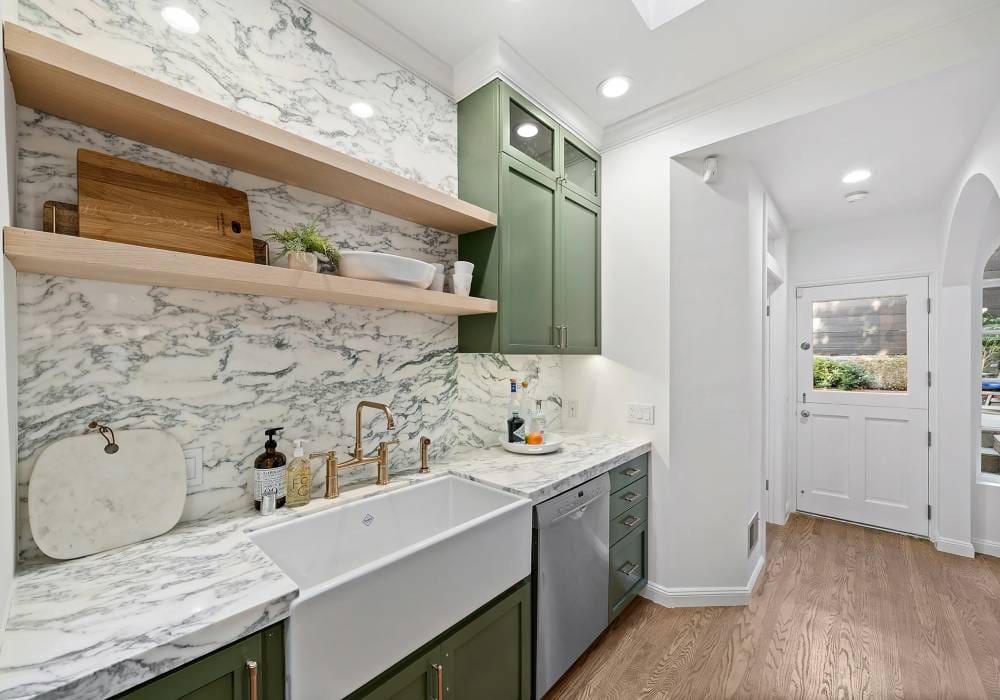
{"points": [[578, 293], [490, 657], [529, 212], [416, 680], [528, 134], [581, 168], [222, 675]]}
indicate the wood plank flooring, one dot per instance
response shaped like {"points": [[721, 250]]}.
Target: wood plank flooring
{"points": [[840, 611]]}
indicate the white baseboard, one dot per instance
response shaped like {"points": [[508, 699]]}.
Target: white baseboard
{"points": [[990, 547], [958, 547], [704, 597]]}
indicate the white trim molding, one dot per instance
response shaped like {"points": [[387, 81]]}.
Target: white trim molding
{"points": [[989, 547], [704, 597], [957, 547]]}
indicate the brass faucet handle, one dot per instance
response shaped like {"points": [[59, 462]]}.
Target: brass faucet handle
{"points": [[318, 455], [424, 444]]}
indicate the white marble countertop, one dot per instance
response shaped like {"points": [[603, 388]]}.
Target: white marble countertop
{"points": [[92, 627]]}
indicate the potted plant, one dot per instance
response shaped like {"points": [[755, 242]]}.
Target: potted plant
{"points": [[302, 244]]}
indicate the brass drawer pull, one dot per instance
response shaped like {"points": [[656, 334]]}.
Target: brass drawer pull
{"points": [[630, 496], [440, 681], [628, 567], [631, 521], [631, 471], [252, 673]]}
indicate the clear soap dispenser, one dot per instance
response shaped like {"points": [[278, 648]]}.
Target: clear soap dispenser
{"points": [[299, 478]]}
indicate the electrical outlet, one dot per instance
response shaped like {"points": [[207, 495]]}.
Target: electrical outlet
{"points": [[572, 408], [640, 413], [193, 457]]}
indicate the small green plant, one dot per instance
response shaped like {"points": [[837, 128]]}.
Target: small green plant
{"points": [[840, 374], [305, 238]]}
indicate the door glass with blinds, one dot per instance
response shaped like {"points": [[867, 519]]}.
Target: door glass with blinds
{"points": [[864, 343]]}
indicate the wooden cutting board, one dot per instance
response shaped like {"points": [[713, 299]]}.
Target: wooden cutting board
{"points": [[82, 500], [133, 203]]}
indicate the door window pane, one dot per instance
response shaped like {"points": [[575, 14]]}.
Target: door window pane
{"points": [[530, 136], [580, 168], [860, 344], [989, 456]]}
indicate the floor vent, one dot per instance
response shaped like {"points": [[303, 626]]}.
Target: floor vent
{"points": [[753, 533]]}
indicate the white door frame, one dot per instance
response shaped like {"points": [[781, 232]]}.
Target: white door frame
{"points": [[933, 468]]}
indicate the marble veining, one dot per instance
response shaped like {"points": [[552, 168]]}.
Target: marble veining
{"points": [[92, 627], [279, 62]]}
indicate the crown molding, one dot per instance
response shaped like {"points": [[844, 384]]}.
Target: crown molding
{"points": [[961, 29], [379, 35], [498, 59]]}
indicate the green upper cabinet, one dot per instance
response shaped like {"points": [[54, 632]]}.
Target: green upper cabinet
{"points": [[542, 262]]}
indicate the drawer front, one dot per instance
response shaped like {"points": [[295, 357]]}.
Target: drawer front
{"points": [[626, 498], [632, 470], [628, 570], [629, 521]]}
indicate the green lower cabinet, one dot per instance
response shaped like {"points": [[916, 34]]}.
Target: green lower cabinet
{"points": [[226, 674], [627, 571], [485, 657]]}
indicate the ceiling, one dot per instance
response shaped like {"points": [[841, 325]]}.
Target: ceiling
{"points": [[913, 137], [576, 44]]}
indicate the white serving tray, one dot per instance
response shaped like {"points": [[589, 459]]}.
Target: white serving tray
{"points": [[553, 443]]}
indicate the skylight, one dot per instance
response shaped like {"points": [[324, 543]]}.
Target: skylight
{"points": [[656, 13]]}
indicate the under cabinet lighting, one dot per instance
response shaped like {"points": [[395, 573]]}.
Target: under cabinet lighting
{"points": [[180, 19]]}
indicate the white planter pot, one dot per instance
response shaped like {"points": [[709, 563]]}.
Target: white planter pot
{"points": [[299, 260]]}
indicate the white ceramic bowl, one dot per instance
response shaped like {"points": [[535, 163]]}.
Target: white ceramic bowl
{"points": [[464, 268], [384, 267]]}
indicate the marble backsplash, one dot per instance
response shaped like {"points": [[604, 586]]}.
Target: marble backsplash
{"points": [[216, 369]]}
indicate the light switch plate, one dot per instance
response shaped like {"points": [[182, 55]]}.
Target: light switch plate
{"points": [[641, 413], [572, 408], [193, 457]]}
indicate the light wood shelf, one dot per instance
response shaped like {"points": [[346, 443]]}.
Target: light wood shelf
{"points": [[53, 77], [89, 258]]}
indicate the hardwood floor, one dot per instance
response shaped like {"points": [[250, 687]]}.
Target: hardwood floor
{"points": [[840, 611]]}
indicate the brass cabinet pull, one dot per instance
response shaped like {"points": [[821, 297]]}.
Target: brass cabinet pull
{"points": [[628, 567], [631, 521], [252, 673], [631, 471], [440, 680], [564, 336], [630, 496]]}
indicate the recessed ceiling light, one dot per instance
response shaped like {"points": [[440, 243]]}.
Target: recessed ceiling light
{"points": [[856, 196], [615, 86], [180, 19], [527, 130], [362, 109], [856, 176]]}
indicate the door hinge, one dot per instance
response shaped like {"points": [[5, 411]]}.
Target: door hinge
{"points": [[928, 511], [928, 438], [767, 310], [928, 304], [767, 484], [803, 397], [929, 381]]}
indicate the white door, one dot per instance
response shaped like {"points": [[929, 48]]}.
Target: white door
{"points": [[862, 440]]}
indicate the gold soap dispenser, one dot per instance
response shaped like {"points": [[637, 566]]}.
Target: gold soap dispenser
{"points": [[298, 485]]}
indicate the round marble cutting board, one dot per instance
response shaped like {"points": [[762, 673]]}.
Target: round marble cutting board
{"points": [[82, 500]]}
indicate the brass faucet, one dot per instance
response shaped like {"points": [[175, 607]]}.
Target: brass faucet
{"points": [[381, 455], [425, 442]]}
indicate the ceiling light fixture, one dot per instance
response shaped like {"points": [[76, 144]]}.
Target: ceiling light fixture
{"points": [[180, 19], [856, 176], [615, 86], [527, 130], [362, 109], [856, 196]]}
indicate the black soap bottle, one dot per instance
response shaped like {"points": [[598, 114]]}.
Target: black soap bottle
{"points": [[269, 471]]}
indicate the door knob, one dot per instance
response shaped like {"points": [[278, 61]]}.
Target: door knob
{"points": [[804, 414], [805, 345]]}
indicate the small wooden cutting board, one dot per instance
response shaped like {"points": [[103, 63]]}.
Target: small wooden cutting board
{"points": [[129, 202], [82, 500]]}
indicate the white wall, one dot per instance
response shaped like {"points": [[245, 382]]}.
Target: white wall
{"points": [[8, 353], [903, 243], [780, 497]]}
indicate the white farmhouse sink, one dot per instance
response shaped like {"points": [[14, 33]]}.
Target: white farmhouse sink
{"points": [[385, 267], [380, 577]]}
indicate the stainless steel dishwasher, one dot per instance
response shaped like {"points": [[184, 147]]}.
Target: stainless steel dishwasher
{"points": [[571, 577]]}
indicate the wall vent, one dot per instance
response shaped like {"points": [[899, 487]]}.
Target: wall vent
{"points": [[753, 533]]}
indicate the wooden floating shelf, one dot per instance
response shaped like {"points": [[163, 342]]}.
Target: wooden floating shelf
{"points": [[52, 77], [89, 258]]}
